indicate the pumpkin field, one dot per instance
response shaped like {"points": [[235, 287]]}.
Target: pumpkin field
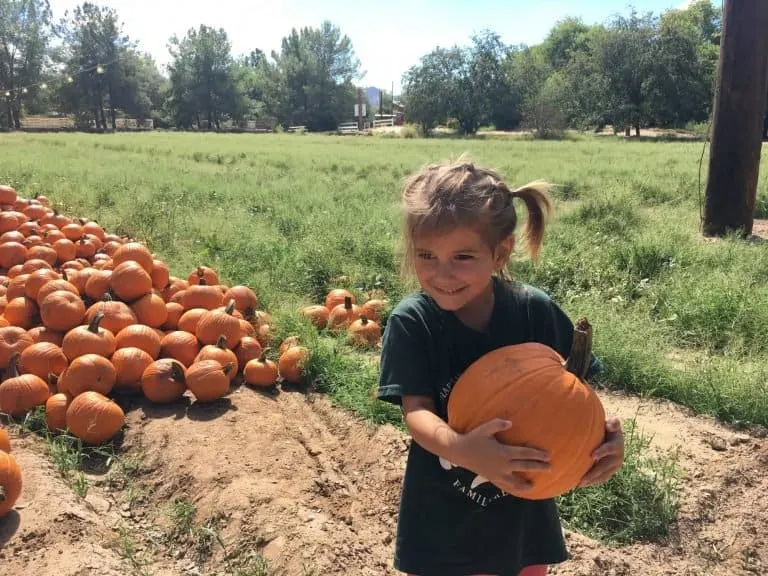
{"points": [[190, 334]]}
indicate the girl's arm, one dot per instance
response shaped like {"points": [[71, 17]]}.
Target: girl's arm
{"points": [[477, 450]]}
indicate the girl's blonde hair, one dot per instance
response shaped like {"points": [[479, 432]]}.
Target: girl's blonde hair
{"points": [[443, 196]]}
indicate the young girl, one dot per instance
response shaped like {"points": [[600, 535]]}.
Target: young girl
{"points": [[459, 230]]}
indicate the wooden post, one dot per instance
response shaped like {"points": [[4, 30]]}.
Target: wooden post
{"points": [[360, 109], [739, 104]]}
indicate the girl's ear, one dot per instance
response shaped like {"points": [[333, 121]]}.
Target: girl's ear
{"points": [[504, 251]]}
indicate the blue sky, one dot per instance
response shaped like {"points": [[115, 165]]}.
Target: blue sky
{"points": [[388, 36]]}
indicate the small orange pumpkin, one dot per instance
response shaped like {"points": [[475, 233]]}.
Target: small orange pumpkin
{"points": [[62, 311], [343, 315], [94, 418], [222, 354], [90, 339], [260, 372], [21, 393], [130, 281], [317, 314], [245, 299], [215, 323], [130, 364], [89, 372], [42, 359], [139, 336], [56, 411], [291, 365], [181, 346], [164, 381], [209, 380], [248, 349], [364, 333], [337, 297]]}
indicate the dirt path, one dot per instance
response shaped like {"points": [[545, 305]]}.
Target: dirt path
{"points": [[315, 492]]}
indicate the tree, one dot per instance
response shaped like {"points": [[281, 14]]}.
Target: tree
{"points": [[625, 54], [99, 59], [315, 73], [427, 88], [203, 83], [25, 33]]}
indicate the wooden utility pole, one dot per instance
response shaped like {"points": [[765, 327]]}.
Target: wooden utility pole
{"points": [[739, 104]]}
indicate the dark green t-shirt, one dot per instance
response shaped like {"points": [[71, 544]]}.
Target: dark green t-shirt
{"points": [[447, 526]]}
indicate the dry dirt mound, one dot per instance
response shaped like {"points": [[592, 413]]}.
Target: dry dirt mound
{"points": [[315, 492]]}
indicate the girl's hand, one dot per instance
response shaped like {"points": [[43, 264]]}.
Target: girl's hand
{"points": [[609, 456], [480, 452]]}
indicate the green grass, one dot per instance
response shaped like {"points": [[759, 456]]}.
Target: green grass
{"points": [[289, 214], [674, 316], [638, 504]]}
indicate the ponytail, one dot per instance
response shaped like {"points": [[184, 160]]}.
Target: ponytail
{"points": [[535, 195]]}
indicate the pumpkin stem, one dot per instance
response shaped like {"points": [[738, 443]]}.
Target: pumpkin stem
{"points": [[13, 366], [347, 303], [363, 319], [202, 281], [177, 373], [230, 309], [227, 368], [2, 493], [53, 382], [107, 296], [222, 342], [581, 349], [93, 326], [263, 357]]}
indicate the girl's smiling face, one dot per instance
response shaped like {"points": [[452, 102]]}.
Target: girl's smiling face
{"points": [[455, 267]]}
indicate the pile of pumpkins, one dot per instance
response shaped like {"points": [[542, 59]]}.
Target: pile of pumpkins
{"points": [[341, 313], [85, 313]]}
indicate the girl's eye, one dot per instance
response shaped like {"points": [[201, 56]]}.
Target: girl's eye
{"points": [[425, 255], [464, 257]]}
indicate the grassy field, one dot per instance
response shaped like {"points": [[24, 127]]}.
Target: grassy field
{"points": [[674, 315]]}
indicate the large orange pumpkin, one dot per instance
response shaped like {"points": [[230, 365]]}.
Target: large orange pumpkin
{"points": [[550, 408], [10, 483]]}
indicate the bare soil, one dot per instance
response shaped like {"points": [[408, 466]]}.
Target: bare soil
{"points": [[314, 491]]}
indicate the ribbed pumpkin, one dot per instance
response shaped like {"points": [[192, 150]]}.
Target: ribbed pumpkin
{"points": [[130, 281], [208, 380], [45, 334], [56, 411], [12, 340], [374, 309], [164, 381], [202, 296], [117, 315], [218, 322], [62, 311], [160, 275], [94, 418], [337, 297], [130, 364], [245, 299], [203, 275], [190, 318], [90, 339], [22, 312], [343, 315], [181, 346], [221, 354], [42, 359], [248, 349], [174, 312], [150, 310], [316, 314], [89, 372], [364, 333], [21, 393], [139, 336], [548, 403], [10, 483], [261, 372], [136, 252], [291, 364]]}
